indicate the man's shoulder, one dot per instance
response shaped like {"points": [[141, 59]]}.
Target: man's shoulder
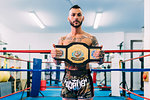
{"points": [[62, 37], [88, 34]]}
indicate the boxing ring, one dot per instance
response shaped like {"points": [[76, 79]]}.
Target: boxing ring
{"points": [[33, 89]]}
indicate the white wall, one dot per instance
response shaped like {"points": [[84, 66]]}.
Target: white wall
{"points": [[32, 41], [110, 40], [136, 63]]}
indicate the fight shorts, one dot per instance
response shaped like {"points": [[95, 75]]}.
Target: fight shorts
{"points": [[77, 85]]}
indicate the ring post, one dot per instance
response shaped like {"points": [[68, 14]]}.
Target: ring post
{"points": [[57, 74], [115, 75], [142, 67], [147, 43], [28, 78], [123, 79], [36, 77]]}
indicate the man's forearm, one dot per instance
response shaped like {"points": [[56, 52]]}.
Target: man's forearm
{"points": [[101, 61], [57, 62]]}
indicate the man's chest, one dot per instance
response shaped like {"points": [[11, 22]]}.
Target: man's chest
{"points": [[81, 39]]}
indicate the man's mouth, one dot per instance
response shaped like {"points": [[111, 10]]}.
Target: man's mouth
{"points": [[76, 21]]}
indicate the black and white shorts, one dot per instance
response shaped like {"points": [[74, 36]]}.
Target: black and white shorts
{"points": [[77, 84]]}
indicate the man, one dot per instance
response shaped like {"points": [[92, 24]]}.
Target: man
{"points": [[77, 82]]}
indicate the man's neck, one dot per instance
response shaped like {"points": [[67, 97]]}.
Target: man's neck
{"points": [[75, 31]]}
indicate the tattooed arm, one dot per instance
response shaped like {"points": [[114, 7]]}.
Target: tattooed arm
{"points": [[99, 54], [94, 41], [56, 52]]}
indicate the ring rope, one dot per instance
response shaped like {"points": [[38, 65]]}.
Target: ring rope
{"points": [[26, 51], [32, 61], [49, 51], [136, 58], [90, 62], [125, 51], [124, 70], [94, 70], [14, 93], [134, 94], [15, 59]]}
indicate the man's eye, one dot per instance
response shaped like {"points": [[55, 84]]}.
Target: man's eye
{"points": [[73, 15], [79, 14]]}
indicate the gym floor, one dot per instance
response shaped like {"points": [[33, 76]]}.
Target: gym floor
{"points": [[54, 94]]}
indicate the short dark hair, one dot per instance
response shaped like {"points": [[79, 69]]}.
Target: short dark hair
{"points": [[75, 6]]}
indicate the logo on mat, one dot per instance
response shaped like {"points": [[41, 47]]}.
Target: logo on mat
{"points": [[77, 55]]}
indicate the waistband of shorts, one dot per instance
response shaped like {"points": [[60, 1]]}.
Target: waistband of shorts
{"points": [[78, 72]]}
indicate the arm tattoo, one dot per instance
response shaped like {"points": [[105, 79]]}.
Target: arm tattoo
{"points": [[94, 41], [61, 40]]}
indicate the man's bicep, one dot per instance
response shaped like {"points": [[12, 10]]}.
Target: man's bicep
{"points": [[94, 41], [60, 41]]}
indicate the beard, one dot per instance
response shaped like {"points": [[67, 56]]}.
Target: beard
{"points": [[76, 26]]}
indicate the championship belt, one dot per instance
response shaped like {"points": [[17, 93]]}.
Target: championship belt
{"points": [[78, 53]]}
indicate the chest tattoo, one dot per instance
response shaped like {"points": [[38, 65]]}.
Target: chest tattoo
{"points": [[76, 39]]}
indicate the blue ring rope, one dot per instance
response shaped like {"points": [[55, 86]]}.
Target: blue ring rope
{"points": [[95, 70]]}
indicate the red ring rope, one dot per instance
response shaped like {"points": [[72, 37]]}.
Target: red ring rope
{"points": [[32, 61], [125, 51], [136, 58], [26, 51], [15, 59], [48, 51], [14, 93], [134, 94]]}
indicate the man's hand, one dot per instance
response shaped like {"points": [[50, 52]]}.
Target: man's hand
{"points": [[55, 52], [99, 53]]}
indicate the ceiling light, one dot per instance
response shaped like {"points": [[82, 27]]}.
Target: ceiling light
{"points": [[98, 17], [37, 19]]}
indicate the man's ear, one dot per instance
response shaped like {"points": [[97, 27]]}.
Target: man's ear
{"points": [[68, 18], [83, 18]]}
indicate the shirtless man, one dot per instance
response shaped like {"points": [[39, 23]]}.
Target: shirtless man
{"points": [[77, 82]]}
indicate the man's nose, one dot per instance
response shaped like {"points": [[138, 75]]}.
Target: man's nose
{"points": [[76, 17]]}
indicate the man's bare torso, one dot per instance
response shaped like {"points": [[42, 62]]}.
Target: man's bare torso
{"points": [[83, 38]]}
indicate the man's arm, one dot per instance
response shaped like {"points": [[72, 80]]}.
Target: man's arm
{"points": [[94, 41], [99, 54], [57, 52]]}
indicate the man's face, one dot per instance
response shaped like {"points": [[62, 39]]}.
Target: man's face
{"points": [[75, 17]]}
